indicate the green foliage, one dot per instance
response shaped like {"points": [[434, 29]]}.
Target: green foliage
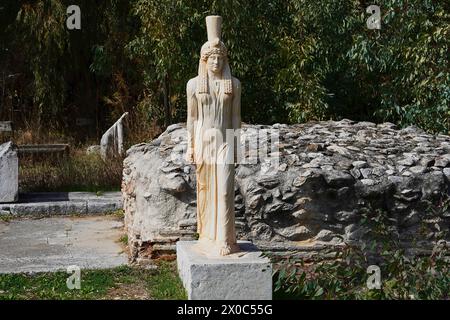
{"points": [[406, 63], [298, 60], [162, 283], [403, 275], [41, 28], [338, 68], [168, 48], [165, 284], [313, 48], [251, 32], [124, 239], [53, 286]]}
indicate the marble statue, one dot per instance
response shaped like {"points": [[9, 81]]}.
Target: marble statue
{"points": [[214, 110]]}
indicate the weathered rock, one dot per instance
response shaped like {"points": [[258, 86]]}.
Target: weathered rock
{"points": [[442, 161], [417, 169], [173, 183], [446, 171], [296, 232], [336, 178], [328, 174], [341, 150], [359, 164], [9, 173], [325, 235], [268, 181]]}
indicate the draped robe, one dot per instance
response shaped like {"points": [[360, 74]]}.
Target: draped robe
{"points": [[209, 116]]}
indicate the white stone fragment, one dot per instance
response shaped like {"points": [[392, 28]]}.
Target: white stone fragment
{"points": [[9, 173], [112, 140]]}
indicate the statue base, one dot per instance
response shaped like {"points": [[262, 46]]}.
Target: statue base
{"points": [[244, 275]]}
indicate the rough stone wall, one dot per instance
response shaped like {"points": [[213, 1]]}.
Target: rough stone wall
{"points": [[330, 176]]}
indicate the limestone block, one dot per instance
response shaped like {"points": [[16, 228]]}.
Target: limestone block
{"points": [[240, 276]]}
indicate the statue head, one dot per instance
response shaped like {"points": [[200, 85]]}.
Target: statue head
{"points": [[214, 57], [215, 63]]}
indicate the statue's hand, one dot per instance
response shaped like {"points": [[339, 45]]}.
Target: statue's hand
{"points": [[190, 156]]}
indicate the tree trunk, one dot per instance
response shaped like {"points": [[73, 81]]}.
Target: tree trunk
{"points": [[167, 111]]}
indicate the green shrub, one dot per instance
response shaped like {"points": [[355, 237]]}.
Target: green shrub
{"points": [[404, 275], [345, 277]]}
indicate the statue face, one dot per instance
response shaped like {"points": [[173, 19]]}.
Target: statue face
{"points": [[215, 63]]}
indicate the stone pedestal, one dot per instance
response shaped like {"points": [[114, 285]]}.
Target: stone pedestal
{"points": [[9, 173], [241, 276]]}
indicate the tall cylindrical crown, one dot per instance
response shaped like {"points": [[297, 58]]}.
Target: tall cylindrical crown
{"points": [[214, 27]]}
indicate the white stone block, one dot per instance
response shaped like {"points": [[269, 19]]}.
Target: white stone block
{"points": [[9, 173], [242, 276]]}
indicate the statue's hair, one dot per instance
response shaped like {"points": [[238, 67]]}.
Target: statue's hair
{"points": [[208, 49]]}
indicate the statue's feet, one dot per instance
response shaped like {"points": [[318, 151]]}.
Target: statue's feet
{"points": [[216, 248], [227, 249]]}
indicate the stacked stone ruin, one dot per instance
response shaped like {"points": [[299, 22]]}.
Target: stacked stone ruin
{"points": [[329, 177]]}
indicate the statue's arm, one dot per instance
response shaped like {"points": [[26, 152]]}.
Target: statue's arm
{"points": [[192, 115], [236, 116]]}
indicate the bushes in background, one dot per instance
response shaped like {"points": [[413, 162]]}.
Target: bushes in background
{"points": [[298, 60]]}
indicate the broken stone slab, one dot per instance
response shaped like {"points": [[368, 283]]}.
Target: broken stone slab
{"points": [[53, 244], [111, 143], [9, 173], [241, 276]]}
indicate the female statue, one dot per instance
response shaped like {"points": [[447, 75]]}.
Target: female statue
{"points": [[214, 110]]}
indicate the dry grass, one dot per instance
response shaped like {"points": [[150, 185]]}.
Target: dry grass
{"points": [[76, 172]]}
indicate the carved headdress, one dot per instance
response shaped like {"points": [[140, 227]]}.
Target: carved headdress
{"points": [[213, 46]]}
